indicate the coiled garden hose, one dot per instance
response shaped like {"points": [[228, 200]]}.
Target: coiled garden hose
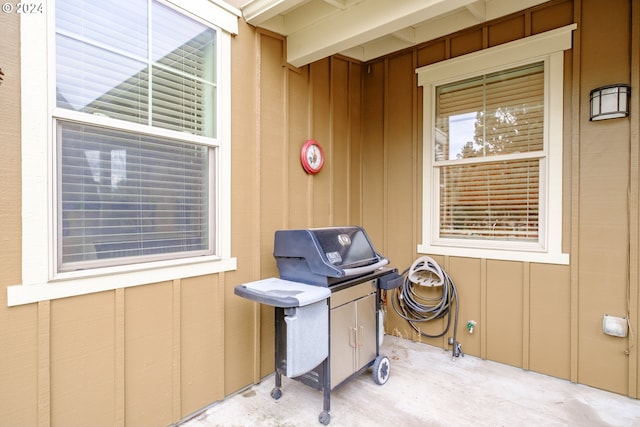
{"points": [[415, 308]]}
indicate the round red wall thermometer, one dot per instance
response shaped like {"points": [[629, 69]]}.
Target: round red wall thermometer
{"points": [[312, 157]]}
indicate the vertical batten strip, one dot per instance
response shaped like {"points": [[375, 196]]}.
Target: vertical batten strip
{"points": [[256, 224], [44, 364], [575, 194], [526, 314], [119, 382], [385, 159], [286, 133], [348, 139], [360, 171], [483, 308], [634, 208], [446, 266], [310, 122], [220, 335], [175, 349], [329, 152], [416, 170]]}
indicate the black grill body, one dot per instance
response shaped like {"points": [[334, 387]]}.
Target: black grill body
{"points": [[325, 256], [344, 260]]}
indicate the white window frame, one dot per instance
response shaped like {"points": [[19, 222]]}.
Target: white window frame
{"points": [[40, 281], [548, 47]]}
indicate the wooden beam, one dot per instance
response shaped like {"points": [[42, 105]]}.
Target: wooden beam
{"points": [[362, 23], [478, 10]]}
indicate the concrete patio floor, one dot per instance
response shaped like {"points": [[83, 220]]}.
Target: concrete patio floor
{"points": [[426, 387]]}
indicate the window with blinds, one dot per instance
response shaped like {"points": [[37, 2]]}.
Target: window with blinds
{"points": [[488, 155], [139, 191]]}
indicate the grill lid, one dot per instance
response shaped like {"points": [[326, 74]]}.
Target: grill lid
{"points": [[316, 254]]}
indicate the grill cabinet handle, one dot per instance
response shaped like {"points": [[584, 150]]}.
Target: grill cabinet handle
{"points": [[353, 337]]}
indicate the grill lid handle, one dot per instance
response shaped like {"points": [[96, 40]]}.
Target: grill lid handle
{"points": [[366, 269]]}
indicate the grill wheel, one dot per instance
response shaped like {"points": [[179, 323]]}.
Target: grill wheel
{"points": [[380, 369]]}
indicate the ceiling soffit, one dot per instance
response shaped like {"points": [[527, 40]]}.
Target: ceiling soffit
{"points": [[367, 29]]}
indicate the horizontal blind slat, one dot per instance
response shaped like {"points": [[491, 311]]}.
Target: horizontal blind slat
{"points": [[121, 24], [123, 194], [500, 113], [157, 204], [494, 201]]}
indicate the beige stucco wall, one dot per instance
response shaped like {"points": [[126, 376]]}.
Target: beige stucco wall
{"points": [[154, 354]]}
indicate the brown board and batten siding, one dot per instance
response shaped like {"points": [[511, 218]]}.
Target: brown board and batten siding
{"points": [[542, 317], [498, 295], [153, 354], [19, 328], [607, 211]]}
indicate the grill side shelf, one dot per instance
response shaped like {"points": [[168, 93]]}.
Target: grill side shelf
{"points": [[281, 293]]}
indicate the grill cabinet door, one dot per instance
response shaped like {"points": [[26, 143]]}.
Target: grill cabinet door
{"points": [[366, 328], [353, 330], [343, 342]]}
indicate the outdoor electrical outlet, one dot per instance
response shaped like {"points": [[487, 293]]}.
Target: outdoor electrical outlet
{"points": [[470, 325], [614, 326]]}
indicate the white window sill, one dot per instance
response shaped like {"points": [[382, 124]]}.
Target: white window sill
{"points": [[107, 279], [505, 255]]}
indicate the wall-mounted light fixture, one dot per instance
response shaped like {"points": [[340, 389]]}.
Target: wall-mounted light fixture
{"points": [[610, 102]]}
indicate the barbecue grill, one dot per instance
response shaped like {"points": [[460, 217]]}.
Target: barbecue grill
{"points": [[327, 307]]}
